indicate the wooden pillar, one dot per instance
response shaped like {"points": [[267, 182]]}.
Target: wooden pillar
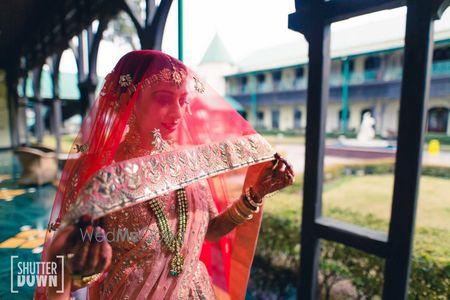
{"points": [[23, 105], [21, 121], [318, 37], [56, 104], [86, 58], [313, 19], [38, 105], [414, 96], [12, 106]]}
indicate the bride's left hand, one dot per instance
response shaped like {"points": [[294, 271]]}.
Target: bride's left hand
{"points": [[275, 176]]}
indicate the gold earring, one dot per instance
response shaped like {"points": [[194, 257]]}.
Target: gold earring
{"points": [[158, 142]]}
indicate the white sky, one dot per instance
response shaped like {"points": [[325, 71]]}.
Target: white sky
{"points": [[244, 26]]}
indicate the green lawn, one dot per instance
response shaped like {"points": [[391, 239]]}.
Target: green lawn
{"points": [[50, 141], [373, 194], [366, 201]]}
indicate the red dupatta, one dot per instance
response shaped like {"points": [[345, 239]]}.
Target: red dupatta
{"points": [[217, 144]]}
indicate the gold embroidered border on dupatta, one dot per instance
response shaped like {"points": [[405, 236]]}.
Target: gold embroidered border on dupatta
{"points": [[132, 181]]}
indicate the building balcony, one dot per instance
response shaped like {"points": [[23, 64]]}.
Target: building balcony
{"points": [[389, 90], [440, 69]]}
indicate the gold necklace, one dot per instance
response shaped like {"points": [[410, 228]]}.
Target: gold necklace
{"points": [[173, 243]]}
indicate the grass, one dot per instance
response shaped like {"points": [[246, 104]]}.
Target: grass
{"points": [[50, 141], [274, 139], [366, 201], [373, 194]]}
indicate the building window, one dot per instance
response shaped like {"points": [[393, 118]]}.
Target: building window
{"points": [[371, 67], [438, 119], [299, 73], [297, 118], [276, 76], [275, 119], [260, 119], [372, 63], [243, 84], [260, 81], [442, 53], [261, 78]]}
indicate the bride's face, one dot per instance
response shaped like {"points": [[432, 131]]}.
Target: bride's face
{"points": [[162, 106]]}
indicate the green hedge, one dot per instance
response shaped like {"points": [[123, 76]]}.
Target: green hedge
{"points": [[351, 134], [380, 167], [276, 263], [442, 138]]}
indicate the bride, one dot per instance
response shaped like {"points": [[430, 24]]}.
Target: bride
{"points": [[162, 195]]}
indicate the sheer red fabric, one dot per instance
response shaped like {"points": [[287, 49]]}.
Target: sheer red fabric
{"points": [[208, 138]]}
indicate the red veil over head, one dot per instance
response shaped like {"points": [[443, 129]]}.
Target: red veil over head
{"points": [[214, 142]]}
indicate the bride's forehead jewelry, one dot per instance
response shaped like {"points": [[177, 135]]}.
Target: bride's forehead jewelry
{"points": [[125, 80], [126, 83], [175, 75]]}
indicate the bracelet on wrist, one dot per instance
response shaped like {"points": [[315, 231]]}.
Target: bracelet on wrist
{"points": [[245, 207], [249, 194], [79, 281], [237, 214], [241, 215], [232, 218]]}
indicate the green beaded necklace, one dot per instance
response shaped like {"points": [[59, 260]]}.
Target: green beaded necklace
{"points": [[173, 243]]}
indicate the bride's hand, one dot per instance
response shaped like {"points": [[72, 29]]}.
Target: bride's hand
{"points": [[85, 254], [274, 176]]}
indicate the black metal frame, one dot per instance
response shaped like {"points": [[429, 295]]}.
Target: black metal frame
{"points": [[313, 18]]}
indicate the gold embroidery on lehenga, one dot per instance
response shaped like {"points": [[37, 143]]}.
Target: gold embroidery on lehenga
{"points": [[137, 184], [195, 256], [134, 180]]}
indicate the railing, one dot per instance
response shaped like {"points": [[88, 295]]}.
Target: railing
{"points": [[440, 68]]}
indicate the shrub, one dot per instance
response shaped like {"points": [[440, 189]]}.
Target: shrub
{"points": [[277, 262]]}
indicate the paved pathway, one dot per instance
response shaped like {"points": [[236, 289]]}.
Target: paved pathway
{"points": [[296, 155]]}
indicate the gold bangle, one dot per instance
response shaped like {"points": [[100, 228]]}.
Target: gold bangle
{"points": [[244, 211], [232, 218], [244, 208], [246, 218], [235, 216], [256, 207], [250, 199], [79, 281]]}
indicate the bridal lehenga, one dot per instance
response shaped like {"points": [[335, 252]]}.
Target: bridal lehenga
{"points": [[159, 156]]}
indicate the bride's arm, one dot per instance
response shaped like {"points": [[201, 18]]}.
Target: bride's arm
{"points": [[265, 178], [223, 223]]}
